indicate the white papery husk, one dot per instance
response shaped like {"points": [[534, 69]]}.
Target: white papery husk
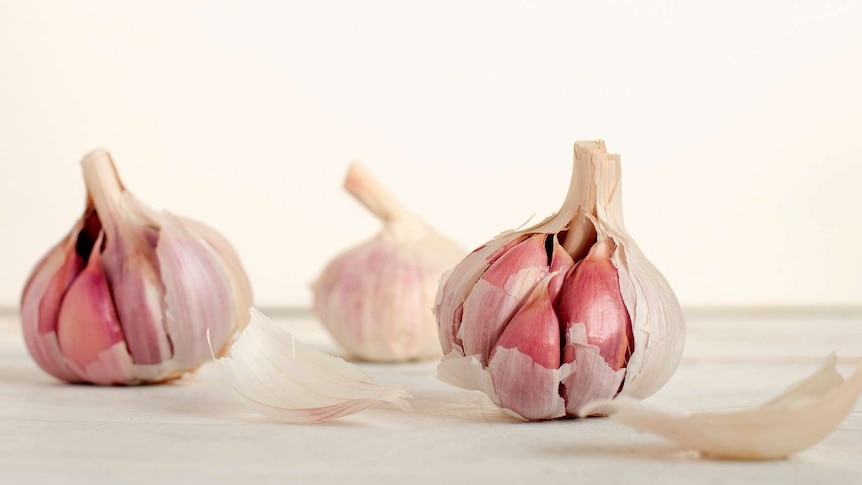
{"points": [[801, 416], [280, 377], [592, 210]]}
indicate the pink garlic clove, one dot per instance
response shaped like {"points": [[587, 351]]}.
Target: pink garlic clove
{"points": [[239, 284], [499, 293], [40, 317], [597, 327], [524, 365], [459, 281], [197, 292], [591, 296], [138, 292], [49, 306], [88, 323]]}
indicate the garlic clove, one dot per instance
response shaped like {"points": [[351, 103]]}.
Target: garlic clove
{"points": [[592, 298], [458, 282], [499, 293], [88, 323], [534, 330], [137, 291], [591, 377], [227, 257], [242, 297], [278, 376], [49, 306], [376, 298], [197, 292], [529, 351], [798, 418], [40, 305]]}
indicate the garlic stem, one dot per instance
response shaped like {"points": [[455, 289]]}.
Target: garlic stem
{"points": [[373, 195], [582, 233], [105, 188]]}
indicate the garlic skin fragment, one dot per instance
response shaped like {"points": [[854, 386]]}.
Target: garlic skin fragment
{"points": [[376, 298], [130, 294], [800, 417], [280, 377], [620, 324]]}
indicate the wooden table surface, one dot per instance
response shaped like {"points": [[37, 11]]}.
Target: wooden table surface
{"points": [[197, 431]]}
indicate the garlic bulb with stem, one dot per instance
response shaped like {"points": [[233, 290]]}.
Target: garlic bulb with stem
{"points": [[376, 298], [128, 296], [548, 318]]}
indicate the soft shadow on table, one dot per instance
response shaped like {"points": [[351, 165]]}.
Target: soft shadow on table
{"points": [[27, 374], [649, 452], [458, 406], [646, 452], [232, 411]]}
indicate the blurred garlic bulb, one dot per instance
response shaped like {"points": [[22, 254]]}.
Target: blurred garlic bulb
{"points": [[128, 296], [376, 298], [546, 319]]}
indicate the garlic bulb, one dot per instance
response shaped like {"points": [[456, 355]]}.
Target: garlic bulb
{"points": [[128, 295], [280, 377], [376, 298], [546, 319], [800, 417]]}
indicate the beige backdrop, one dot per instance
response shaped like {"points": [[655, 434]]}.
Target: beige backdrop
{"points": [[740, 127]]}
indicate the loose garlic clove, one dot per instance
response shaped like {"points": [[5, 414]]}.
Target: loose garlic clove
{"points": [[130, 293], [800, 417], [280, 377], [621, 325], [376, 298]]}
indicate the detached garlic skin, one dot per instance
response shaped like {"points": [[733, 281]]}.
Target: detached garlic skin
{"points": [[129, 295], [800, 417], [280, 377], [546, 319], [376, 299]]}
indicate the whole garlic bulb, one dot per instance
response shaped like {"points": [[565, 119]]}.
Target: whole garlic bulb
{"points": [[546, 319], [376, 299], [129, 294]]}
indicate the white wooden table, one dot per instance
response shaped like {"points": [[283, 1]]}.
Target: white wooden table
{"points": [[196, 431]]}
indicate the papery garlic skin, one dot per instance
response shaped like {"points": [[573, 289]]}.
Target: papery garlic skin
{"points": [[280, 377], [376, 298], [621, 326], [801, 416], [129, 295]]}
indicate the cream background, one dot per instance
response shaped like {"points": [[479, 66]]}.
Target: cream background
{"points": [[739, 124]]}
